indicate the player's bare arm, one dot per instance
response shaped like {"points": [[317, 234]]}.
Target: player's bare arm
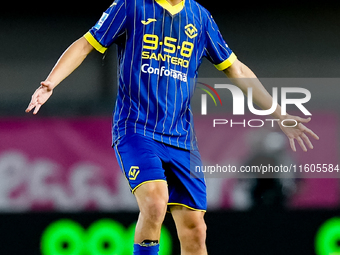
{"points": [[238, 72], [66, 64]]}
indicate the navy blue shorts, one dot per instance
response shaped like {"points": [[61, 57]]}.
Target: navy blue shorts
{"points": [[143, 160]]}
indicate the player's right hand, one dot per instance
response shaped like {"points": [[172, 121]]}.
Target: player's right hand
{"points": [[40, 96], [298, 132]]}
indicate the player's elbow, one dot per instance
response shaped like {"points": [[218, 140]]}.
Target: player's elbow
{"points": [[236, 70]]}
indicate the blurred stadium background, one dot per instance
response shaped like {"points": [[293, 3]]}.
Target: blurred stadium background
{"points": [[59, 179]]}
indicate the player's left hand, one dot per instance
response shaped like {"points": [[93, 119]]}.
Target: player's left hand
{"points": [[297, 132], [40, 96]]}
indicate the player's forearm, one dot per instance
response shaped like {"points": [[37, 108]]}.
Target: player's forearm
{"points": [[69, 61], [244, 78]]}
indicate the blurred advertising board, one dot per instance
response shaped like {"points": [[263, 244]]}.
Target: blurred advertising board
{"points": [[255, 232], [67, 164]]}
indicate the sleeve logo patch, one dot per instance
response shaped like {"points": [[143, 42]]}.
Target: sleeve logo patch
{"points": [[101, 21]]}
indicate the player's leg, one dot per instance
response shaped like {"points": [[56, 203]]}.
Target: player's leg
{"points": [[152, 199], [191, 230], [140, 160], [187, 200]]}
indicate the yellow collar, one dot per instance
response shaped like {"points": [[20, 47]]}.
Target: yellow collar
{"points": [[173, 9]]}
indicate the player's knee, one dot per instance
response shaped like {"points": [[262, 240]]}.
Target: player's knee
{"points": [[193, 234], [199, 231], [155, 210]]}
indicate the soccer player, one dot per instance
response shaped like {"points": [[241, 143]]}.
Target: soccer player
{"points": [[161, 44]]}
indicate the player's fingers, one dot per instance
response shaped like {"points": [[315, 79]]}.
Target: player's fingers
{"points": [[37, 108], [301, 143], [34, 100], [31, 105], [303, 120], [303, 128], [34, 97], [312, 134], [29, 108], [307, 141], [309, 131], [292, 144]]}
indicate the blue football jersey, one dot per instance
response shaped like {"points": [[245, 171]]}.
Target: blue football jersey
{"points": [[160, 48]]}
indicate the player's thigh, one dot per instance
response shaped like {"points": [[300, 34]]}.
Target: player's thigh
{"points": [[139, 160], [184, 189], [152, 198]]}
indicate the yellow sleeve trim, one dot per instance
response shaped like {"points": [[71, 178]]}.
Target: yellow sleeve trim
{"points": [[89, 37], [226, 63]]}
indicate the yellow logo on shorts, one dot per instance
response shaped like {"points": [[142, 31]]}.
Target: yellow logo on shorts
{"points": [[133, 173]]}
